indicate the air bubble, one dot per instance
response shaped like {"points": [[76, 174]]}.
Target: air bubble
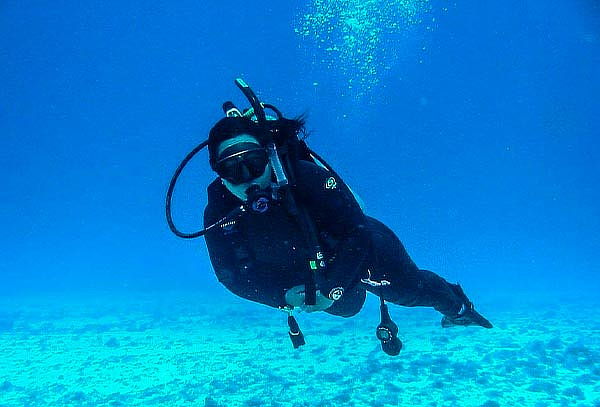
{"points": [[360, 37]]}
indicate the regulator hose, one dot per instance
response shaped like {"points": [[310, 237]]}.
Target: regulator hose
{"points": [[172, 184]]}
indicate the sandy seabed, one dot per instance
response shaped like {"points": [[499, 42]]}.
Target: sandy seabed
{"points": [[175, 349]]}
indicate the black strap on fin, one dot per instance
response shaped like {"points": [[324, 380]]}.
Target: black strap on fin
{"points": [[295, 333], [387, 331]]}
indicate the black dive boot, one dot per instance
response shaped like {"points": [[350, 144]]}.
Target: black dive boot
{"points": [[467, 314]]}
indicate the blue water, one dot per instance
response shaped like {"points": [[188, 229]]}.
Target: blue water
{"points": [[470, 129]]}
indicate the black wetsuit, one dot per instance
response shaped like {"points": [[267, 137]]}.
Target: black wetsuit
{"points": [[261, 255]]}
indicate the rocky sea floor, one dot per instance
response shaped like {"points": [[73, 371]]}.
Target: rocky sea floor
{"points": [[175, 349]]}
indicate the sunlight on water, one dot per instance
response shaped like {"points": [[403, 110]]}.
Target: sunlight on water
{"points": [[359, 38]]}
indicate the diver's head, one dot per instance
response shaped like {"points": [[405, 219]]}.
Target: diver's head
{"points": [[238, 156]]}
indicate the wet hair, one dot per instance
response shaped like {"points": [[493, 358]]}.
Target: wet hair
{"points": [[230, 127], [292, 127]]}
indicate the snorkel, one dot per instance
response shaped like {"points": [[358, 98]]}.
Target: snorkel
{"points": [[259, 112]]}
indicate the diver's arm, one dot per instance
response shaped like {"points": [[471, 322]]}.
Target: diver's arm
{"points": [[236, 271], [336, 212]]}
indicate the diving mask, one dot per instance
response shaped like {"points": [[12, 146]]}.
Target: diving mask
{"points": [[242, 162]]}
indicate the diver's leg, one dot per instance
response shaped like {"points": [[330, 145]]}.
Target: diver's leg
{"points": [[410, 286]]}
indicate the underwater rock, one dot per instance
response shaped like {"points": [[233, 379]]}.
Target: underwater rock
{"points": [[537, 348], [439, 365], [371, 366], [467, 370], [574, 392], [76, 397], [452, 398], [438, 384], [543, 386], [493, 394], [189, 394], [112, 343], [210, 402], [585, 379], [254, 402], [116, 403], [6, 386], [319, 350], [491, 403], [578, 354], [554, 343], [330, 377]]}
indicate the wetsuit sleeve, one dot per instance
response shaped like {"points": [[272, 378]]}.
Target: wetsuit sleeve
{"points": [[234, 267], [336, 213]]}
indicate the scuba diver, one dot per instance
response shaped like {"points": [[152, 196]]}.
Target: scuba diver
{"points": [[284, 230]]}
